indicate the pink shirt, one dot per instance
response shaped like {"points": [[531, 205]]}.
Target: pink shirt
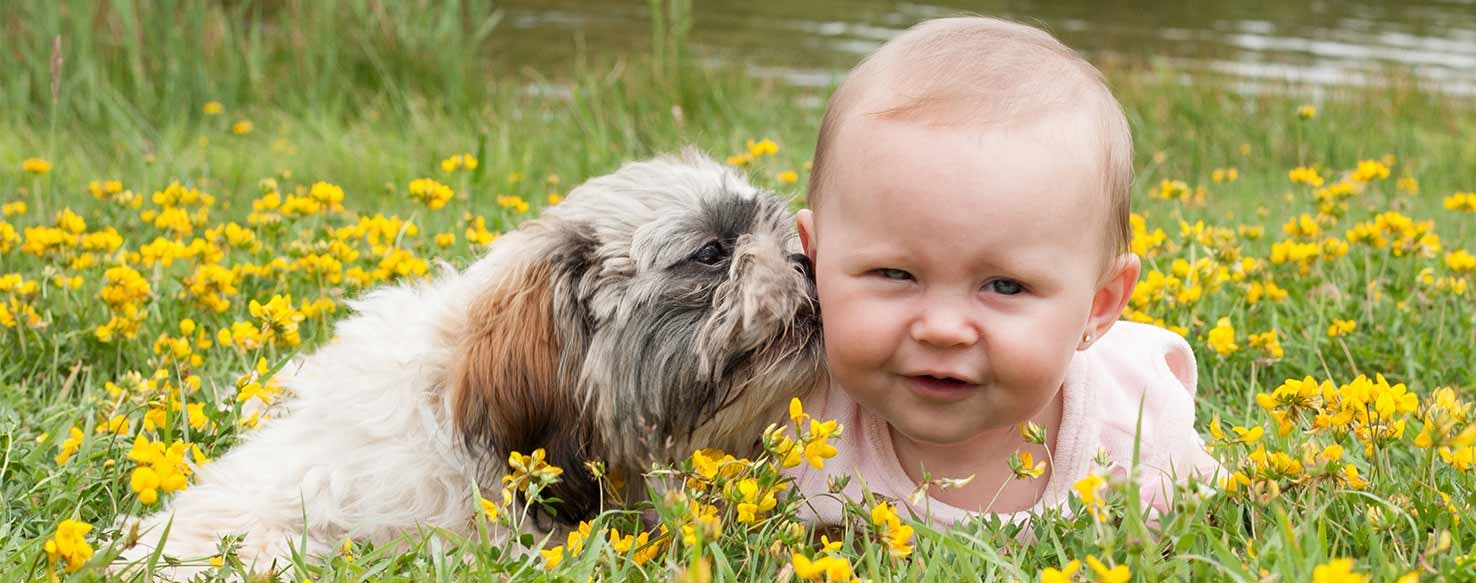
{"points": [[1104, 385]]}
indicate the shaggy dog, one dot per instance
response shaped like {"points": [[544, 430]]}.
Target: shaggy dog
{"points": [[658, 309]]}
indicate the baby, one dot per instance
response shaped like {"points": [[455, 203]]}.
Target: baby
{"points": [[968, 224]]}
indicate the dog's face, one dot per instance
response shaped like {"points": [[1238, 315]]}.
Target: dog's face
{"points": [[658, 309]]}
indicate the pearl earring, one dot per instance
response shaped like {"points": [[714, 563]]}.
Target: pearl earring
{"points": [[1086, 338]]}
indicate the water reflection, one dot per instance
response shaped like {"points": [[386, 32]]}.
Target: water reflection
{"points": [[808, 42]]}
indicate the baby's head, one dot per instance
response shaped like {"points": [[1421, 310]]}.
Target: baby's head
{"points": [[968, 221]]}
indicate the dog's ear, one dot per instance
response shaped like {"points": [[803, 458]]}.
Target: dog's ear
{"points": [[514, 378]]}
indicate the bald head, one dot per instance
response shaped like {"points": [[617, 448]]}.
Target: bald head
{"points": [[975, 72]]}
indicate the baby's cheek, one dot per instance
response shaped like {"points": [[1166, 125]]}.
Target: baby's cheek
{"points": [[854, 337], [1036, 365]]}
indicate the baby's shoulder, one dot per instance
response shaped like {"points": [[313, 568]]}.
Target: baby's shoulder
{"points": [[1144, 359]]}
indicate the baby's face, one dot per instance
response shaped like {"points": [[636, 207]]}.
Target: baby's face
{"points": [[956, 269]]}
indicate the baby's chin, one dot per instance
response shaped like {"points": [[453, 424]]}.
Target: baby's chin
{"points": [[959, 427]]}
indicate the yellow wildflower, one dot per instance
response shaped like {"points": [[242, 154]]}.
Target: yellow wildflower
{"points": [[1460, 261], [36, 166], [1089, 489], [430, 193], [213, 108], [1222, 338], [1370, 170], [70, 446], [1337, 571], [530, 469], [1024, 466], [69, 545], [1062, 575], [824, 568], [1105, 574], [897, 536], [1305, 175], [1268, 343]]}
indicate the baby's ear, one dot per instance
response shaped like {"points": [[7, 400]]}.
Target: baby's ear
{"points": [[1114, 292], [805, 220]]}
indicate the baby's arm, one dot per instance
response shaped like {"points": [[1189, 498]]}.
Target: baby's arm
{"points": [[1178, 452]]}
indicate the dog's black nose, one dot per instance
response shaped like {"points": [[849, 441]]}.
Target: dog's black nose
{"points": [[802, 262]]}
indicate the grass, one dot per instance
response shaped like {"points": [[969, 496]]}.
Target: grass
{"points": [[369, 96]]}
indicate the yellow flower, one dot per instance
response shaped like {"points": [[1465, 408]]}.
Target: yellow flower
{"points": [[712, 464], [214, 108], [752, 500], [1089, 489], [515, 203], [1024, 466], [1351, 478], [70, 446], [242, 127], [69, 544], [1460, 261], [1307, 111], [278, 319], [1461, 201], [1332, 453], [817, 443], [430, 193], [552, 557], [1341, 328], [1105, 574], [1370, 170], [1222, 338], [1268, 343], [824, 568], [1248, 436], [1337, 571], [1062, 575], [788, 177], [1170, 190], [459, 161], [159, 468], [490, 509], [644, 549], [1305, 175], [764, 147], [530, 469], [896, 535], [36, 166], [1032, 432]]}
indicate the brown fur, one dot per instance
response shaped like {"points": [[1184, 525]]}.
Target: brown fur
{"points": [[509, 392]]}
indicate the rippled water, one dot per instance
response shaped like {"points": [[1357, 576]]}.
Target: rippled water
{"points": [[808, 42]]}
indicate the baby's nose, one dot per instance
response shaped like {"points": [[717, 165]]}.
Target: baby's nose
{"points": [[944, 327]]}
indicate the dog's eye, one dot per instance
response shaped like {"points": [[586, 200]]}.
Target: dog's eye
{"points": [[710, 254]]}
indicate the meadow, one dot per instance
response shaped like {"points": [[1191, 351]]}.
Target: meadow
{"points": [[192, 191]]}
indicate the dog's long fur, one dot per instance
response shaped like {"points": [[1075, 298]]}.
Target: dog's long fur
{"points": [[597, 331]]}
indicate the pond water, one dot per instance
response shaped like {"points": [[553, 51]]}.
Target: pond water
{"points": [[809, 42]]}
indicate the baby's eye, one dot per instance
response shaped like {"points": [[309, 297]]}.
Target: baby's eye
{"points": [[1007, 287], [891, 273]]}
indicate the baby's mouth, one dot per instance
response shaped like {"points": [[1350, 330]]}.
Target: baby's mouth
{"points": [[940, 386]]}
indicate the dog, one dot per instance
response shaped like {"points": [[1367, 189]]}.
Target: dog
{"points": [[658, 309]]}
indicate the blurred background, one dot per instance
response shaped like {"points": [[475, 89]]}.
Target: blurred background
{"points": [[808, 41], [573, 87]]}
